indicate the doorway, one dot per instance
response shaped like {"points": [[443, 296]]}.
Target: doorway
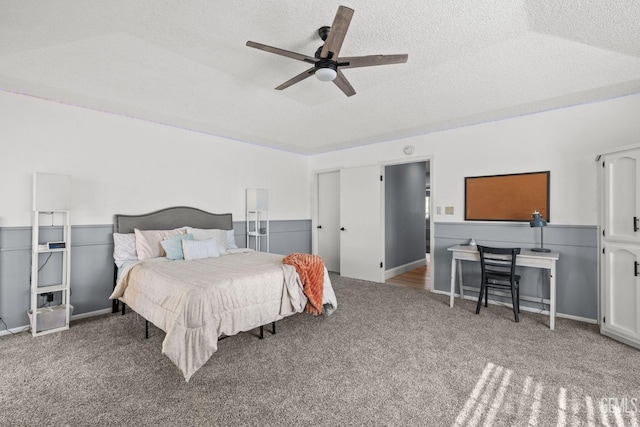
{"points": [[333, 192], [408, 223]]}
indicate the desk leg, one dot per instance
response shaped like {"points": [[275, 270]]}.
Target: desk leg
{"points": [[460, 282], [453, 280], [552, 296]]}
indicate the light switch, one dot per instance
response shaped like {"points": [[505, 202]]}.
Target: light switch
{"points": [[439, 210], [448, 210]]}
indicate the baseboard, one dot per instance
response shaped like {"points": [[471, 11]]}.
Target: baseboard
{"points": [[404, 268], [578, 318], [24, 328], [522, 308], [14, 330], [91, 314]]}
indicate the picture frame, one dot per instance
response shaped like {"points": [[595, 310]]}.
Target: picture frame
{"points": [[510, 197]]}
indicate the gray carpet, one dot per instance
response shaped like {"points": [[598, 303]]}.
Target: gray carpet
{"points": [[388, 356]]}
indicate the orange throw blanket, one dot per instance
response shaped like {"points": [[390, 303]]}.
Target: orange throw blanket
{"points": [[310, 268]]}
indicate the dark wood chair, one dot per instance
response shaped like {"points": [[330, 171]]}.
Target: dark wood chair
{"points": [[499, 271]]}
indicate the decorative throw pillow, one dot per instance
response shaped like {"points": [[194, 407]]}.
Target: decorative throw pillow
{"points": [[173, 246], [220, 236], [124, 248], [148, 242], [199, 249], [231, 240]]}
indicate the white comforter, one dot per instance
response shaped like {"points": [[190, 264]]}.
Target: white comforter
{"points": [[195, 302]]}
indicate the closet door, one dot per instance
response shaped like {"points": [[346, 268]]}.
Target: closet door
{"points": [[361, 250], [621, 199], [328, 224], [621, 296], [620, 244]]}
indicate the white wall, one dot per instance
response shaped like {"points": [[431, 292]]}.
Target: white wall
{"points": [[123, 165], [564, 141]]}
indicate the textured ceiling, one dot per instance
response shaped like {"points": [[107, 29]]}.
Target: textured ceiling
{"points": [[185, 63]]}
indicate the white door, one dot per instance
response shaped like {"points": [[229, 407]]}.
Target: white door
{"points": [[622, 292], [361, 241], [328, 225], [621, 199], [620, 243]]}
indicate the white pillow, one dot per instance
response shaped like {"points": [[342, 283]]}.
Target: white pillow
{"points": [[220, 236], [199, 249], [231, 240], [148, 242], [124, 248]]}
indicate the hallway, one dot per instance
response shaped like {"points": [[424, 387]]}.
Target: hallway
{"points": [[417, 278]]}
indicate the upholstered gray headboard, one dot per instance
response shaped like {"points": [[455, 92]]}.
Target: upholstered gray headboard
{"points": [[170, 218]]}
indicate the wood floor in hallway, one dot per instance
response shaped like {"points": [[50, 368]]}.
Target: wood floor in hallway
{"points": [[417, 278]]}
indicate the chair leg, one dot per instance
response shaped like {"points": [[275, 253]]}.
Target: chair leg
{"points": [[514, 303], [518, 295], [486, 296], [482, 290]]}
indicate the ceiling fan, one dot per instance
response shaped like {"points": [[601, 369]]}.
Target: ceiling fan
{"points": [[327, 65]]}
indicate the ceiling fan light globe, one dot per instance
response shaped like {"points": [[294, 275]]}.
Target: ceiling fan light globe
{"points": [[326, 74]]}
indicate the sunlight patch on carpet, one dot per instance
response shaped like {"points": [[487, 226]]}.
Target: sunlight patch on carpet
{"points": [[500, 397]]}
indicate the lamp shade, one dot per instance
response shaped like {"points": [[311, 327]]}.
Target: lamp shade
{"points": [[257, 199], [51, 192], [537, 220]]}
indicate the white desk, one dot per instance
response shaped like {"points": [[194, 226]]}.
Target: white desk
{"points": [[527, 258]]}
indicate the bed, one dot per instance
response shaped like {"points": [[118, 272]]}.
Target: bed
{"points": [[209, 293]]}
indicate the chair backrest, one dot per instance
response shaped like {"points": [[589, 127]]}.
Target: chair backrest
{"points": [[500, 261]]}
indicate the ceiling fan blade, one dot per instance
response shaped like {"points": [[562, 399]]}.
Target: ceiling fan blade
{"points": [[344, 85], [278, 51], [338, 31], [371, 60], [300, 77]]}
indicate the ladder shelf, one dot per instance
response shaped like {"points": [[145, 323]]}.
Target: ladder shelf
{"points": [[45, 319]]}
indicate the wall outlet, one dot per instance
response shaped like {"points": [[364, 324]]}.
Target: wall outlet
{"points": [[448, 210]]}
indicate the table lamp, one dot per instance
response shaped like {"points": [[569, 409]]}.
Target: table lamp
{"points": [[538, 221]]}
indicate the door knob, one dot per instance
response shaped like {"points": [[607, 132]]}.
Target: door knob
{"points": [[319, 226], [342, 228]]}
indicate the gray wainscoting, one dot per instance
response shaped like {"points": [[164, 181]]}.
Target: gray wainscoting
{"points": [[577, 281], [92, 264], [285, 237]]}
